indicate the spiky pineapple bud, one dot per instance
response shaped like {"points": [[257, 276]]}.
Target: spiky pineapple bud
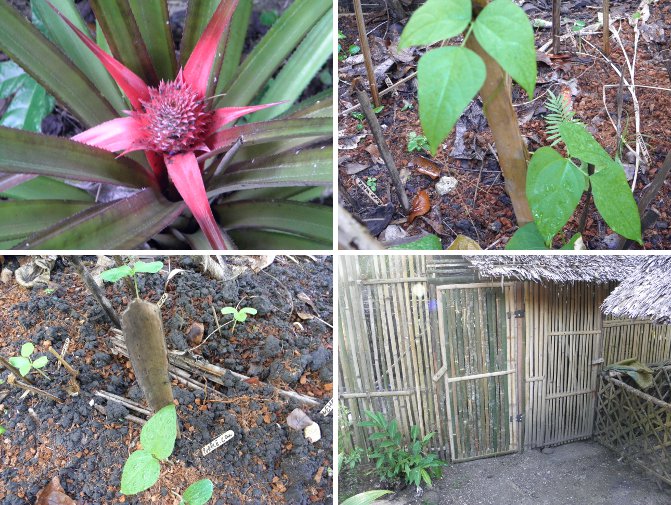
{"points": [[174, 118]]}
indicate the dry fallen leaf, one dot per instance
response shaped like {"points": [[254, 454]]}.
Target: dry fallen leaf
{"points": [[54, 494], [421, 204], [254, 381], [318, 476], [427, 167], [374, 154], [305, 315], [305, 298]]}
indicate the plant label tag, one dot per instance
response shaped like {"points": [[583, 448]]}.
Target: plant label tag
{"points": [[160, 303], [327, 408], [217, 442], [64, 351]]}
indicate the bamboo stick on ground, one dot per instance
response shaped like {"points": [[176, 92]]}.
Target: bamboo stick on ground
{"points": [[381, 143], [95, 290], [365, 49], [556, 25]]}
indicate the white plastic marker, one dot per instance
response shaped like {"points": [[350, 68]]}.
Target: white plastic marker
{"points": [[217, 442], [160, 303], [327, 408], [66, 344]]}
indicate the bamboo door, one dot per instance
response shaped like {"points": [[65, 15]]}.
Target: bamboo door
{"points": [[478, 346]]}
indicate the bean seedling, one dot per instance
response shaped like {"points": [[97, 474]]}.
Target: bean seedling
{"points": [[25, 364], [371, 182], [143, 467], [417, 142], [118, 273], [239, 316]]}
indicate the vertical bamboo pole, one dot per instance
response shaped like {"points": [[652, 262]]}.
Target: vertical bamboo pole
{"points": [[556, 25], [606, 27], [365, 49]]}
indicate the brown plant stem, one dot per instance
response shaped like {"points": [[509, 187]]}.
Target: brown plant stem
{"points": [[556, 25], [588, 203], [14, 370], [145, 340], [498, 108], [365, 49], [118, 261], [381, 143], [606, 27]]}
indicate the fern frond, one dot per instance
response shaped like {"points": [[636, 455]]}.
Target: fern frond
{"points": [[559, 112]]}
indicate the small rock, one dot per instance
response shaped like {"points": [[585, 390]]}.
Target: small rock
{"points": [[102, 359], [298, 420], [392, 233], [313, 433], [320, 357], [177, 341], [6, 276], [496, 226], [446, 185], [611, 241], [271, 347], [629, 170], [194, 334]]}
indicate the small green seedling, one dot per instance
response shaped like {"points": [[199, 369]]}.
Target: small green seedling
{"points": [[118, 273], [143, 467], [417, 142], [239, 316], [379, 109], [25, 364], [351, 50], [49, 291], [359, 117], [2, 430], [406, 106], [371, 182]]}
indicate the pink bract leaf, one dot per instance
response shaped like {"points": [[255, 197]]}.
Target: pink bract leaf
{"points": [[226, 115], [131, 84], [198, 68], [121, 134], [185, 174]]}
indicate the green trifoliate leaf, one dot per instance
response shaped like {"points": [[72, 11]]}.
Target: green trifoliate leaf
{"points": [[504, 31], [148, 268], [114, 274], [140, 472], [40, 362], [436, 20], [582, 145], [198, 493], [527, 238], [159, 434], [554, 188], [449, 78], [25, 369], [27, 349], [615, 203]]}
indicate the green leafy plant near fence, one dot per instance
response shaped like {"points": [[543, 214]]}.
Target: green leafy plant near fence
{"points": [[555, 185], [25, 364], [118, 273], [395, 459], [251, 182]]}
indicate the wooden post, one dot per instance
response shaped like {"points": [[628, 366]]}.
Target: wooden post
{"points": [[145, 341], [606, 27], [365, 49], [556, 25]]}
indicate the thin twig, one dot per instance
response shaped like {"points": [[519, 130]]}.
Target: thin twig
{"points": [[67, 366], [382, 93], [14, 370]]}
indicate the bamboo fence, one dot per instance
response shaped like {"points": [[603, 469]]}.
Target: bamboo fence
{"points": [[490, 367], [637, 424]]}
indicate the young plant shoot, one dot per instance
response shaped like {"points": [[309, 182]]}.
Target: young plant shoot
{"points": [[118, 273], [24, 364], [239, 316]]}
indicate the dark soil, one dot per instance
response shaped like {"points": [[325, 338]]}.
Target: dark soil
{"points": [[583, 472], [266, 462], [479, 208]]}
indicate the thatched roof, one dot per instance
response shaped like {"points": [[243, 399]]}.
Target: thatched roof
{"points": [[556, 267], [645, 293]]}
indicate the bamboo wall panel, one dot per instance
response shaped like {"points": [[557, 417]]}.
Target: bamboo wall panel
{"points": [[479, 359], [564, 347], [387, 350], [629, 338]]}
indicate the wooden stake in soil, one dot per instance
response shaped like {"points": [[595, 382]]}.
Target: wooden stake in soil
{"points": [[379, 139], [145, 341], [606, 27], [95, 290], [556, 25], [365, 49]]}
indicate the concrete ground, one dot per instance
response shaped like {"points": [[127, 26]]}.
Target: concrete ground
{"points": [[582, 473]]}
